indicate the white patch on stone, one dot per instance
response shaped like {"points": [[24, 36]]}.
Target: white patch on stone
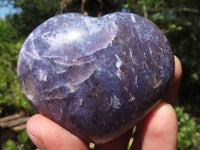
{"points": [[150, 50], [42, 75], [118, 65], [107, 31], [72, 87], [81, 102], [161, 67], [118, 58], [61, 38], [136, 81], [115, 102], [121, 41], [61, 110], [131, 54], [132, 98], [73, 35], [119, 75], [126, 88], [133, 19], [45, 35], [79, 77], [156, 84], [33, 55], [36, 55], [60, 71], [161, 48], [114, 27], [29, 96], [145, 64], [92, 25], [145, 56]]}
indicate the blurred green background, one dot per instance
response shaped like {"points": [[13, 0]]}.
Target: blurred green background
{"points": [[179, 20]]}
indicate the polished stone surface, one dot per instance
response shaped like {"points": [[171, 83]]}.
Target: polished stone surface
{"points": [[96, 77]]}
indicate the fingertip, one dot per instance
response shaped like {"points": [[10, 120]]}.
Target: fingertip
{"points": [[162, 128], [163, 120], [46, 134], [30, 125], [33, 130], [158, 129]]}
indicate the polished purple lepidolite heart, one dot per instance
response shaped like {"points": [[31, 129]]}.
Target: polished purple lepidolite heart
{"points": [[96, 77]]}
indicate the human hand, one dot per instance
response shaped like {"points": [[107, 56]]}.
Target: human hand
{"points": [[156, 131]]}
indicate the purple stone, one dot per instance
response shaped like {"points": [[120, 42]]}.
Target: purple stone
{"points": [[96, 77]]}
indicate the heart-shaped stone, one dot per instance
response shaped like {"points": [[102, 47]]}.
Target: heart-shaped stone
{"points": [[96, 77]]}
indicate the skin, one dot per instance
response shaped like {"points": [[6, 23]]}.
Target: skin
{"points": [[157, 130]]}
